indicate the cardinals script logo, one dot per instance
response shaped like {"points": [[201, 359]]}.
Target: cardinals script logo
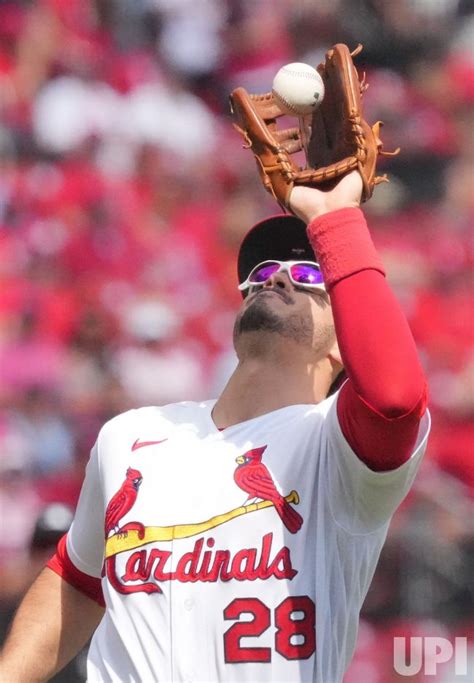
{"points": [[204, 562]]}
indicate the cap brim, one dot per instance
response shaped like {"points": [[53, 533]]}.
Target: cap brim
{"points": [[280, 238]]}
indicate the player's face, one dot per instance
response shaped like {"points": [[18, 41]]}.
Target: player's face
{"points": [[294, 312]]}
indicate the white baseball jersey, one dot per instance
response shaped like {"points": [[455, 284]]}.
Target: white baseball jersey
{"points": [[236, 555]]}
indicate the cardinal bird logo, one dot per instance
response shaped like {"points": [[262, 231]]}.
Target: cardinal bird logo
{"points": [[253, 477], [122, 501]]}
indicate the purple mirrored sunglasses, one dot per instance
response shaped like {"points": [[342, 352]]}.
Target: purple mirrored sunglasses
{"points": [[301, 273]]}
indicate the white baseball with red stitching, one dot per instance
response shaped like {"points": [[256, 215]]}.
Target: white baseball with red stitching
{"points": [[298, 89]]}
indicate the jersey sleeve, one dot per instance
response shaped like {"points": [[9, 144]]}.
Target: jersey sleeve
{"points": [[362, 500], [85, 539], [79, 555], [61, 564]]}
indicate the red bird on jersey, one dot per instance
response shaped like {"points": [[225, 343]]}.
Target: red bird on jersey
{"points": [[253, 477], [122, 501]]}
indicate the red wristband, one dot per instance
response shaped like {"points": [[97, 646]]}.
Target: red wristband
{"points": [[343, 245]]}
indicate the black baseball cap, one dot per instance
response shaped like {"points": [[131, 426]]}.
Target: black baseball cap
{"points": [[280, 238]]}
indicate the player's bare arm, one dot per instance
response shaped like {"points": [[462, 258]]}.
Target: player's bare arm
{"points": [[53, 623]]}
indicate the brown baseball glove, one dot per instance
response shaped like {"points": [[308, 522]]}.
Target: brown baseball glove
{"points": [[336, 139]]}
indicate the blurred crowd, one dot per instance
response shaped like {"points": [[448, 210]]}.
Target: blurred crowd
{"points": [[124, 194]]}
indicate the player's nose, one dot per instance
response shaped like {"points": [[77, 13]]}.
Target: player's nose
{"points": [[279, 279]]}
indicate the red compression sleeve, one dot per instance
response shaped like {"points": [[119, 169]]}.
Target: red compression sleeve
{"points": [[62, 565], [379, 408]]}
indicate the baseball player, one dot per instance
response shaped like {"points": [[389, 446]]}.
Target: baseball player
{"points": [[235, 539]]}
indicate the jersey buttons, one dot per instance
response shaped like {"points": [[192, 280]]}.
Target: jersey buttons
{"points": [[189, 604]]}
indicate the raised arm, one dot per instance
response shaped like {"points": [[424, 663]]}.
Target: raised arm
{"points": [[52, 624], [380, 407]]}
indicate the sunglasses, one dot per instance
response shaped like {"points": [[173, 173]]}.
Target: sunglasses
{"points": [[301, 273]]}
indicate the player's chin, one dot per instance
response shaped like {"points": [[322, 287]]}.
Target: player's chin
{"points": [[260, 314]]}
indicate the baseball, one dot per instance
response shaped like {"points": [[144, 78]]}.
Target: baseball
{"points": [[298, 89]]}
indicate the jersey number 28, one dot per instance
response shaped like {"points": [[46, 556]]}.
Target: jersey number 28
{"points": [[295, 631]]}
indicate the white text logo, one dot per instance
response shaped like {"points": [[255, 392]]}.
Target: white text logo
{"points": [[410, 653]]}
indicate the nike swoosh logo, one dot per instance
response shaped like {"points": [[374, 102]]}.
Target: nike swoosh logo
{"points": [[141, 444]]}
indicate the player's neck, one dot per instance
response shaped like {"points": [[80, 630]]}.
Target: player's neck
{"points": [[260, 386]]}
